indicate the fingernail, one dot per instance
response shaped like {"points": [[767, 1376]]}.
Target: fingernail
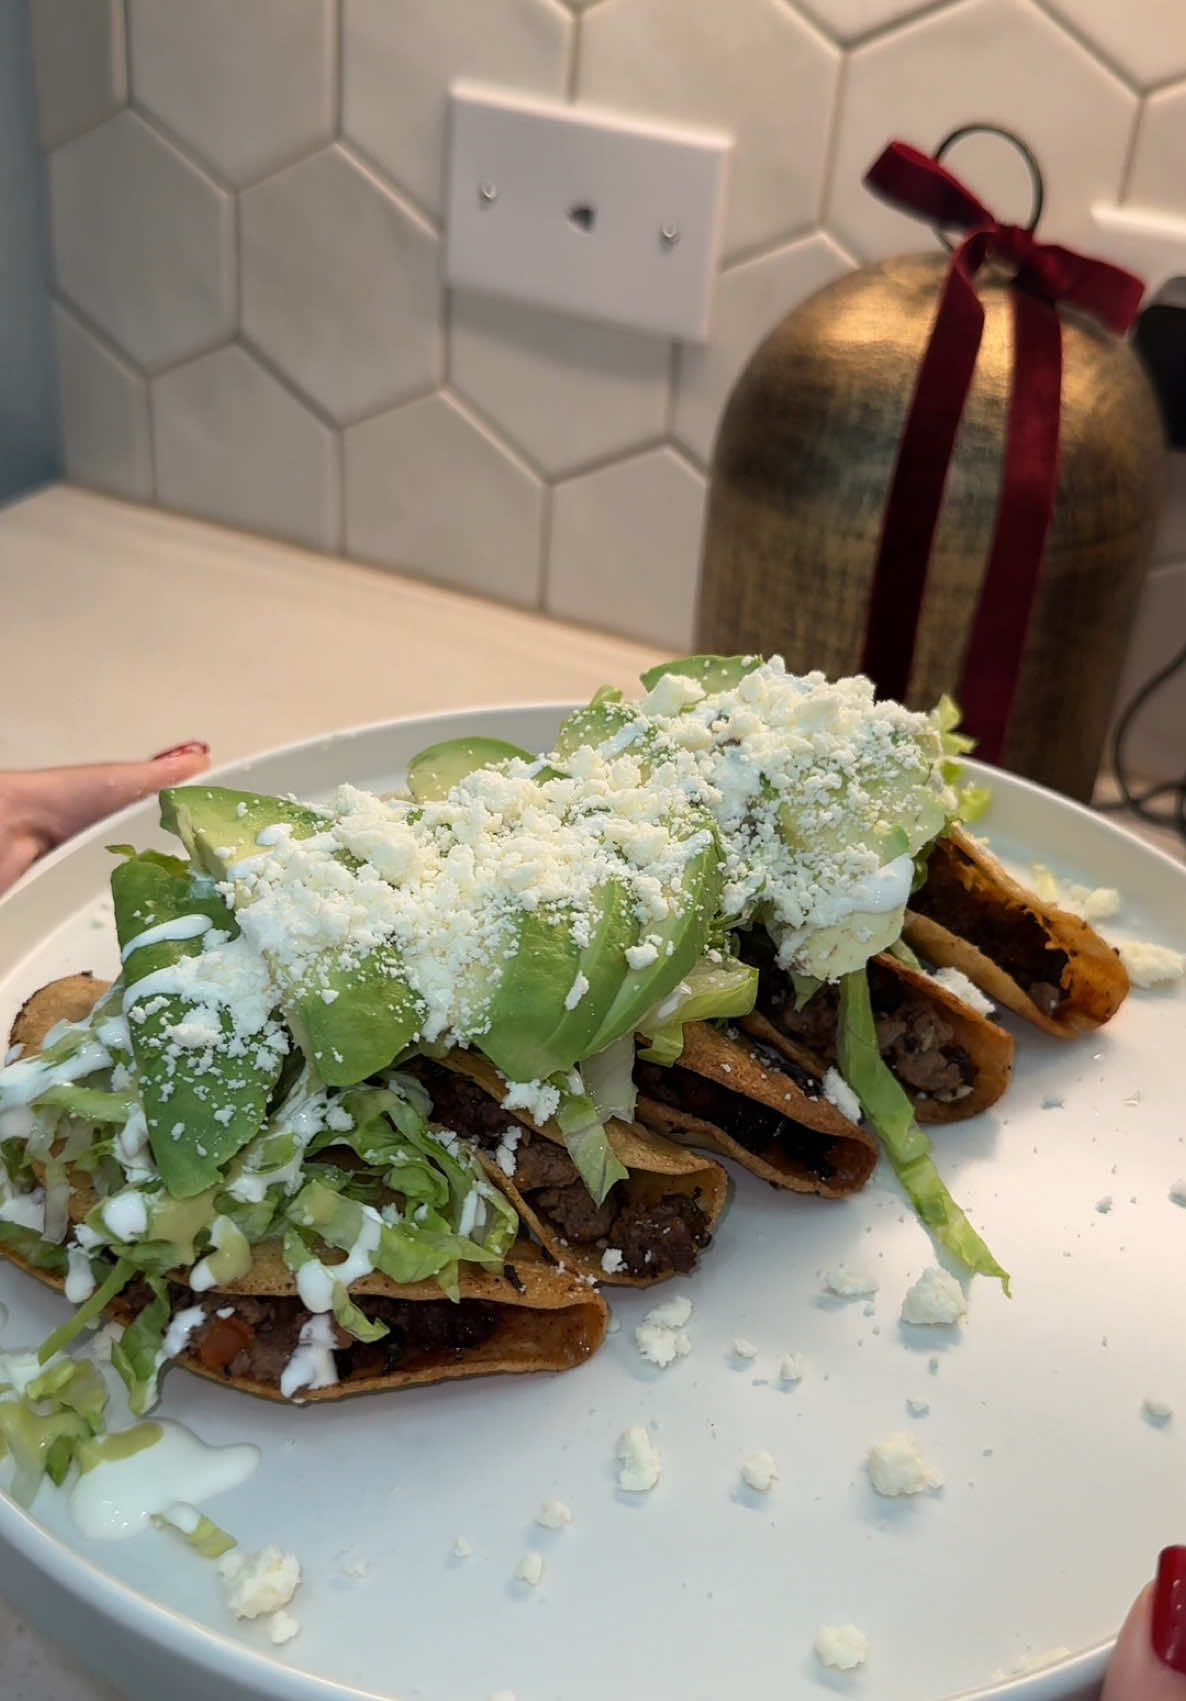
{"points": [[1169, 1609], [195, 747]]}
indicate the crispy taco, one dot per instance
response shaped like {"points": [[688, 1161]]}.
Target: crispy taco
{"points": [[950, 1059], [652, 1224], [732, 1094], [259, 1296], [1030, 956]]}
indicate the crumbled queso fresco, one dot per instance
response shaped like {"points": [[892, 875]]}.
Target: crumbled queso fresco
{"points": [[896, 1467], [936, 1297], [442, 885]]}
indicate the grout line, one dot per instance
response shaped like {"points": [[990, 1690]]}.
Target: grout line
{"points": [[390, 406], [307, 151], [929, 9], [104, 339], [543, 577], [674, 368], [1130, 157], [489, 427], [614, 457], [382, 179], [126, 11], [245, 342], [1094, 49], [338, 49], [150, 408], [237, 238], [574, 57], [772, 245], [832, 143], [192, 156], [338, 528]]}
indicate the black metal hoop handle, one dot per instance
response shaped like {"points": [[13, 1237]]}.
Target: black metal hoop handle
{"points": [[1035, 170]]}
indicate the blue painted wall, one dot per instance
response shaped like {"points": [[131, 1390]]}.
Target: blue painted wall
{"points": [[29, 446]]}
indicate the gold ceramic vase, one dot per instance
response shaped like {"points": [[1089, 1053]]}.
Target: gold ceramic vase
{"points": [[801, 472]]}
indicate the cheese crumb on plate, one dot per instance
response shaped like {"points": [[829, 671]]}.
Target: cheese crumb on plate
{"points": [[640, 1466], [841, 1646], [850, 1284], [896, 1467], [760, 1472], [258, 1583], [554, 1515], [936, 1297]]}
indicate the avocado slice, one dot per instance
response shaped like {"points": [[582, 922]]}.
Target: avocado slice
{"points": [[714, 673], [375, 1014], [201, 1104], [529, 998], [434, 772], [682, 939]]}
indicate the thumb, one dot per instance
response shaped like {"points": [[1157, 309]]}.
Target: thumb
{"points": [[1150, 1659]]}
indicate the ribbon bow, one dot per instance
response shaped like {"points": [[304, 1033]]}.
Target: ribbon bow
{"points": [[1044, 274]]}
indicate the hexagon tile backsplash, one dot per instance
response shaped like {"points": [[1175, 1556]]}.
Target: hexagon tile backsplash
{"points": [[251, 320]]}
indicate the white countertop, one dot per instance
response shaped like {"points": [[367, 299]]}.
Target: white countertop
{"points": [[127, 630]]}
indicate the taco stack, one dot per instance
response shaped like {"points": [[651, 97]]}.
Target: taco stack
{"points": [[1029, 956], [252, 1330]]}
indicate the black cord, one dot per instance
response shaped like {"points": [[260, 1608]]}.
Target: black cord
{"points": [[1139, 802]]}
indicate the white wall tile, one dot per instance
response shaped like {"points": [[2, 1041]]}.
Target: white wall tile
{"points": [[1145, 39], [1001, 61], [232, 444], [564, 391], [753, 67], [248, 84], [340, 285], [143, 241], [400, 56], [848, 20], [751, 299], [429, 491], [626, 547], [79, 64], [1158, 175], [104, 412]]}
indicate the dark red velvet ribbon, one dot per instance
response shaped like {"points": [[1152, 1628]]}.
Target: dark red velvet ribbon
{"points": [[1044, 275]]}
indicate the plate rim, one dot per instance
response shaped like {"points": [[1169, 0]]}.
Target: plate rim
{"points": [[176, 1634]]}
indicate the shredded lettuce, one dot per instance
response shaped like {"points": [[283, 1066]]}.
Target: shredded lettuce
{"points": [[588, 1143], [609, 1080], [354, 1322], [907, 1147], [30, 1248], [88, 1312], [139, 1353], [204, 1535], [710, 990], [971, 800]]}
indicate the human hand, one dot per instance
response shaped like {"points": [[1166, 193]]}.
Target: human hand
{"points": [[41, 807], [1150, 1659]]}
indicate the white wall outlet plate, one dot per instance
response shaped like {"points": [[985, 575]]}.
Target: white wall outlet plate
{"points": [[587, 212]]}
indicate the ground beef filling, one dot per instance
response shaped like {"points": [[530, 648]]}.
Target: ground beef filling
{"points": [[758, 1127], [916, 1040], [1008, 934], [654, 1236], [257, 1340]]}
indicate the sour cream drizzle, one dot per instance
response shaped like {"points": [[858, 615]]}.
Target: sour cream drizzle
{"points": [[181, 927], [119, 1497]]}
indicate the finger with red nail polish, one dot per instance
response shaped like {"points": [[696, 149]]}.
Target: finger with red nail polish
{"points": [[195, 747], [1150, 1659]]}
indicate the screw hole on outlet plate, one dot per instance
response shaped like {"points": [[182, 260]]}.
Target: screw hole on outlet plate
{"points": [[582, 216]]}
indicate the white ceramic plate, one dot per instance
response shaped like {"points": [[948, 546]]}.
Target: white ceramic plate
{"points": [[1058, 1491]]}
